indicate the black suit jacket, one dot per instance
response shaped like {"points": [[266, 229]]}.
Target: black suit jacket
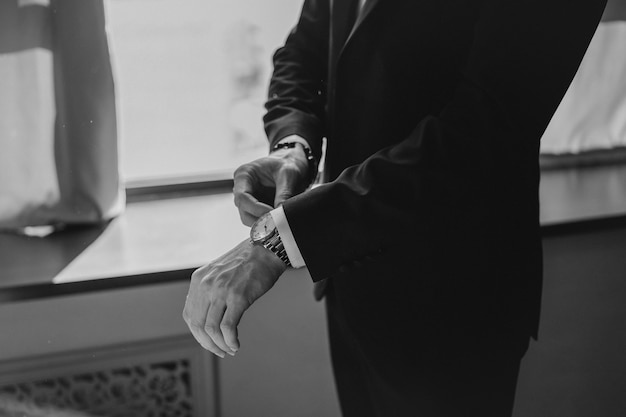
{"points": [[433, 111]]}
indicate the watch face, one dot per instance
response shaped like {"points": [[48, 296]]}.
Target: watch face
{"points": [[262, 228]]}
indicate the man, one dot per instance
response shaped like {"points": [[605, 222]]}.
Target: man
{"points": [[426, 234]]}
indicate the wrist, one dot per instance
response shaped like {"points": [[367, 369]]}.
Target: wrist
{"points": [[269, 259], [264, 234], [303, 150]]}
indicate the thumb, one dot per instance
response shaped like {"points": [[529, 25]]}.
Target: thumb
{"points": [[285, 189]]}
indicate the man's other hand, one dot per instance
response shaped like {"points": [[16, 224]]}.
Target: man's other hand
{"points": [[265, 183], [221, 291]]}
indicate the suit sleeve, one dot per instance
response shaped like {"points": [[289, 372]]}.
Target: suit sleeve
{"points": [[296, 102], [522, 59]]}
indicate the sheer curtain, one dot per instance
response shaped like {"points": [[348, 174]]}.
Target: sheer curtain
{"points": [[592, 115], [58, 129]]}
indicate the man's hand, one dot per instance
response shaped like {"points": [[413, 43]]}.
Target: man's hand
{"points": [[266, 182], [221, 291]]}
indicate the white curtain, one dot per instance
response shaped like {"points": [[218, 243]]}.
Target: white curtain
{"points": [[592, 115], [58, 131]]}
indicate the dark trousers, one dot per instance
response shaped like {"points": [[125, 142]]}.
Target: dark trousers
{"points": [[476, 377]]}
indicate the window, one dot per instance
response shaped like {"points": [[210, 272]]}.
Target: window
{"points": [[191, 80]]}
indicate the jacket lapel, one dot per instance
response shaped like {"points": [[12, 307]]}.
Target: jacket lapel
{"points": [[367, 9], [342, 28], [341, 17]]}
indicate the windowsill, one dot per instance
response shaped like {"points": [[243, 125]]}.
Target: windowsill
{"points": [[165, 240], [152, 242], [583, 194]]}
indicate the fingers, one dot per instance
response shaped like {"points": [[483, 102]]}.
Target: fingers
{"points": [[222, 322], [197, 330], [285, 188], [194, 314], [250, 208], [221, 291], [211, 319], [269, 180], [289, 180], [196, 311], [247, 219], [230, 322], [213, 326], [218, 334]]}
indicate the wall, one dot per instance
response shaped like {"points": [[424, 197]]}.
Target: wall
{"points": [[578, 367], [283, 367]]}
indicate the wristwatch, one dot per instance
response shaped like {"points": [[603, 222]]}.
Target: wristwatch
{"points": [[265, 233]]}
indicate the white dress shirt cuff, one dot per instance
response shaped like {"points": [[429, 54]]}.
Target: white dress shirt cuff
{"points": [[289, 242]]}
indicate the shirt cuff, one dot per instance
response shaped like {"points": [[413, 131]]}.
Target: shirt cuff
{"points": [[289, 242]]}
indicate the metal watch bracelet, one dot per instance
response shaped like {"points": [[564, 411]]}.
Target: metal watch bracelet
{"points": [[275, 244]]}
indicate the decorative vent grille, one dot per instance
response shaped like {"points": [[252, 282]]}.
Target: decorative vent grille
{"points": [[130, 386]]}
